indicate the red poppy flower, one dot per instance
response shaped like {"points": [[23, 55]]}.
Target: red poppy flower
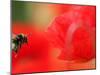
{"points": [[74, 33]]}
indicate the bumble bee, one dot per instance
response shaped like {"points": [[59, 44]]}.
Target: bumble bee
{"points": [[18, 40]]}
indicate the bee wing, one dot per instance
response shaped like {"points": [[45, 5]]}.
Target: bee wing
{"points": [[13, 36], [29, 34]]}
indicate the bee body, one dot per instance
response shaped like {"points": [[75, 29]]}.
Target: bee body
{"points": [[17, 41]]}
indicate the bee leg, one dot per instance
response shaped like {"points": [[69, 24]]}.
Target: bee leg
{"points": [[20, 45], [16, 49]]}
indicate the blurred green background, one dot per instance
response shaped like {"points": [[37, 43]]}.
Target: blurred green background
{"points": [[39, 14], [19, 11]]}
